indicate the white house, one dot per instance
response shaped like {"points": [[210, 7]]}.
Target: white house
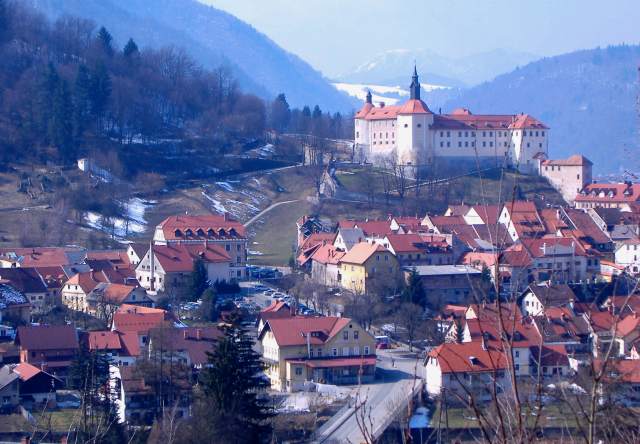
{"points": [[628, 255]]}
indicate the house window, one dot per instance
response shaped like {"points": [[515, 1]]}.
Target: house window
{"points": [[298, 371], [334, 352], [366, 349], [345, 335], [517, 354], [356, 334]]}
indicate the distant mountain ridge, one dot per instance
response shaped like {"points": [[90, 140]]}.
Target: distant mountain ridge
{"points": [[389, 66], [588, 98], [212, 37]]}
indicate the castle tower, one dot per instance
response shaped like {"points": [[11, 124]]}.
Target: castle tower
{"points": [[414, 88]]}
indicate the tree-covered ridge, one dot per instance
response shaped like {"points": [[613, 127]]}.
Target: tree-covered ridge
{"points": [[67, 83]]}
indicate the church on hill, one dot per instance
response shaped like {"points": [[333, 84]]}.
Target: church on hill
{"points": [[411, 134]]}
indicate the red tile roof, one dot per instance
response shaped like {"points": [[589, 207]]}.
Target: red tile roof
{"points": [[26, 371], [488, 213], [610, 192], [181, 257], [41, 256], [464, 119], [362, 112], [87, 281], [384, 113], [469, 357], [575, 160], [293, 331], [353, 361], [201, 227], [327, 254], [138, 319], [47, 337], [414, 106]]}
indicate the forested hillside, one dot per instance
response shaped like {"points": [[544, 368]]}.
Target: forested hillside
{"points": [[212, 37], [588, 98]]}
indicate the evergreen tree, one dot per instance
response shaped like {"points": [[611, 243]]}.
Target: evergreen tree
{"points": [[280, 113], [89, 374], [317, 112], [209, 309], [231, 383], [82, 96], [459, 332], [47, 90], [60, 126], [199, 281], [105, 41], [100, 93], [130, 49], [414, 291]]}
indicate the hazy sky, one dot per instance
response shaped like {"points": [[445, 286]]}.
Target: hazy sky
{"points": [[337, 35]]}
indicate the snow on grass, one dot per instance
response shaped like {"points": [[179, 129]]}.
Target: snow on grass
{"points": [[255, 253], [248, 205], [257, 181], [216, 203], [120, 227], [226, 186]]}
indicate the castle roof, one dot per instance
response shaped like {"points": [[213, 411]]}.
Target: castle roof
{"points": [[414, 106]]}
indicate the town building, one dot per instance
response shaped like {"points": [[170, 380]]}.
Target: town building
{"points": [[49, 347], [449, 284], [568, 176], [360, 265], [327, 350], [538, 298], [608, 195], [14, 306], [29, 282], [411, 134], [325, 265], [219, 230], [122, 348], [168, 268]]}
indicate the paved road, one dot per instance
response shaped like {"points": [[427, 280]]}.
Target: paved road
{"points": [[396, 369], [266, 210]]}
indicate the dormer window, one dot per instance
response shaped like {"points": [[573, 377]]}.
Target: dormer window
{"points": [[200, 232], [221, 232], [210, 232], [188, 232], [178, 233]]}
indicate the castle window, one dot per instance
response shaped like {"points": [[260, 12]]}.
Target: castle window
{"points": [[374, 136], [441, 133], [459, 133], [540, 144], [484, 134], [406, 126], [441, 144], [386, 135], [542, 132], [528, 145], [491, 144], [357, 134], [484, 144], [473, 134], [419, 125], [490, 133], [578, 177], [466, 144], [459, 144], [473, 143], [448, 144], [505, 144], [448, 133], [466, 134], [536, 134]]}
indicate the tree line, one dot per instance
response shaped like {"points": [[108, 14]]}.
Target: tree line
{"points": [[67, 85]]}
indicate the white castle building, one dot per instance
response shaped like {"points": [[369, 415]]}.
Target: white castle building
{"points": [[413, 135]]}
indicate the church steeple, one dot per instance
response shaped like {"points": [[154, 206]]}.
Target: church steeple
{"points": [[369, 99], [414, 89]]}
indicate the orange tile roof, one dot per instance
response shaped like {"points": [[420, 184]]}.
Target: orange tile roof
{"points": [[361, 252], [181, 257], [575, 160], [26, 371], [211, 226], [610, 192], [384, 113], [414, 106], [328, 254]]}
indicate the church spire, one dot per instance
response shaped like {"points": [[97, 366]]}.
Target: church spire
{"points": [[414, 89], [369, 99]]}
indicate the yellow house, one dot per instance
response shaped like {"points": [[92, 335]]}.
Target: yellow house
{"points": [[364, 261], [329, 350]]}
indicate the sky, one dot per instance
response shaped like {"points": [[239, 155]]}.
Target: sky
{"points": [[335, 36]]}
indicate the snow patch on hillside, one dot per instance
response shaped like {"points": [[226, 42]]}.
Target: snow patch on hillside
{"points": [[390, 95]]}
